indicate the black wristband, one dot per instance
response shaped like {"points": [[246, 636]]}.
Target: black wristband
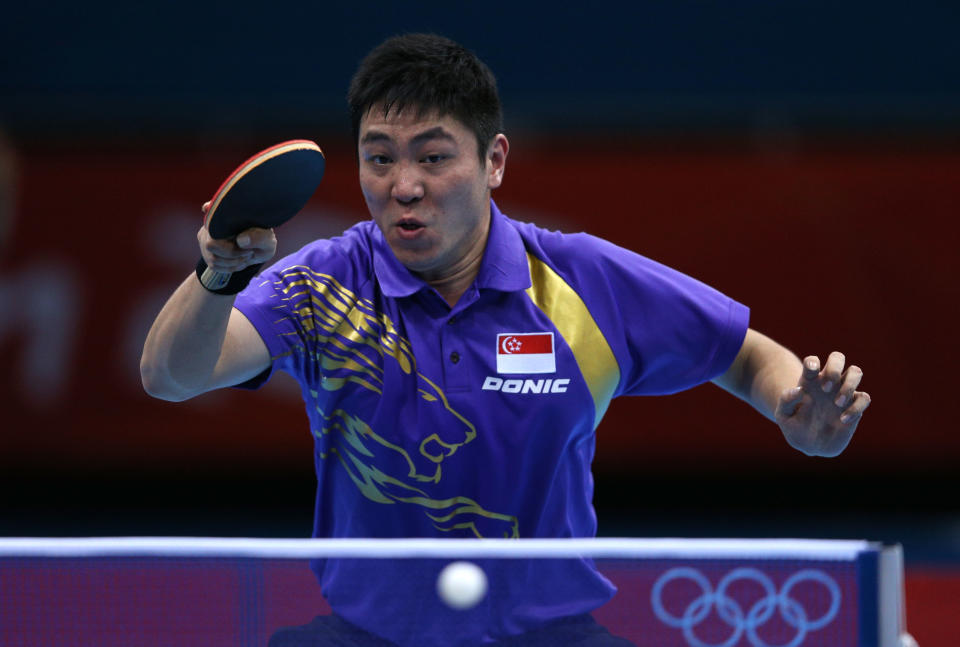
{"points": [[223, 283]]}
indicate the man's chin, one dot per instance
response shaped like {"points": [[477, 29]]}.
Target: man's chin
{"points": [[419, 264]]}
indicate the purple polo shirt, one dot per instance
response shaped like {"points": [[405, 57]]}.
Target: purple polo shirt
{"points": [[476, 420]]}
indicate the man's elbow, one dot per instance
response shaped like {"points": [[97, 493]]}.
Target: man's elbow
{"points": [[160, 386]]}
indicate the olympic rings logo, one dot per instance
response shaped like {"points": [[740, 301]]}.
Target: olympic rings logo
{"points": [[730, 611]]}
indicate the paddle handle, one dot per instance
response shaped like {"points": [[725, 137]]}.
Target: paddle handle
{"points": [[213, 280]]}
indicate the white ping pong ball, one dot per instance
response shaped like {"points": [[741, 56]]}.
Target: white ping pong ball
{"points": [[461, 585], [906, 640]]}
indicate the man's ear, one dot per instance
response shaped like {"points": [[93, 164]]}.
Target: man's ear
{"points": [[497, 160]]}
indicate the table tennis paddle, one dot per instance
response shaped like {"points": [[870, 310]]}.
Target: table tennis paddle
{"points": [[266, 191]]}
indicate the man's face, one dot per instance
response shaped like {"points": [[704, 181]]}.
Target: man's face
{"points": [[427, 189]]}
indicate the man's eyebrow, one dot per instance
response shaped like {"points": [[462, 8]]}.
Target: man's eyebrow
{"points": [[372, 136], [437, 132]]}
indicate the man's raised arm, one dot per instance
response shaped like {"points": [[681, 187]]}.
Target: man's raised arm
{"points": [[199, 342]]}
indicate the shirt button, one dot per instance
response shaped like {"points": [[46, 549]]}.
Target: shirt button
{"points": [[451, 321], [454, 357]]}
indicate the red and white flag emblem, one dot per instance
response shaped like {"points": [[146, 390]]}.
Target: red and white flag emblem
{"points": [[526, 353]]}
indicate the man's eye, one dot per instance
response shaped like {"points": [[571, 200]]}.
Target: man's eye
{"points": [[379, 160], [434, 159]]}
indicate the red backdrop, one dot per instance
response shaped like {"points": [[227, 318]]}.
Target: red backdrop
{"points": [[851, 250]]}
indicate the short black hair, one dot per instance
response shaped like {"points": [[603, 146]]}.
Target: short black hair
{"points": [[429, 73]]}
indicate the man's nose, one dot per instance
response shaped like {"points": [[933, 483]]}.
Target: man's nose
{"points": [[407, 185]]}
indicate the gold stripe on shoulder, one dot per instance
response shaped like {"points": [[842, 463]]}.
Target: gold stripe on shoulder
{"points": [[564, 307]]}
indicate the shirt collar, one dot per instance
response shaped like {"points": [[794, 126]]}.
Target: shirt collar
{"points": [[503, 267]]}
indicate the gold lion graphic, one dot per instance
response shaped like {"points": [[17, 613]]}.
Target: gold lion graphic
{"points": [[353, 340]]}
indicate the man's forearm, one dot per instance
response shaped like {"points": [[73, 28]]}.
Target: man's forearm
{"points": [[184, 343], [761, 372]]}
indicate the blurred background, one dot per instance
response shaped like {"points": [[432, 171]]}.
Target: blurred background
{"points": [[803, 157]]}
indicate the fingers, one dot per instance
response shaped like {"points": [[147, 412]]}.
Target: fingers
{"points": [[832, 378], [811, 371], [226, 261], [849, 382], [256, 239], [832, 371], [232, 255], [861, 401]]}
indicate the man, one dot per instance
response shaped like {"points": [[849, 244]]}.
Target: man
{"points": [[455, 363]]}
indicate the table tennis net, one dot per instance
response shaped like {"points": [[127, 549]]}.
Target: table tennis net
{"points": [[238, 592]]}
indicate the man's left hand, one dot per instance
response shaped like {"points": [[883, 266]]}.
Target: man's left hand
{"points": [[820, 414]]}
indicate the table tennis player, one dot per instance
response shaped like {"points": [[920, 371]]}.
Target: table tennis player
{"points": [[454, 363]]}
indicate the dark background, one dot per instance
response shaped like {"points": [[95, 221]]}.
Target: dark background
{"points": [[803, 157]]}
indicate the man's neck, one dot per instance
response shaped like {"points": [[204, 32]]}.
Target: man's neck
{"points": [[454, 283], [453, 287]]}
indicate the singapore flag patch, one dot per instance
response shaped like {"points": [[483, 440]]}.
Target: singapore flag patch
{"points": [[526, 353]]}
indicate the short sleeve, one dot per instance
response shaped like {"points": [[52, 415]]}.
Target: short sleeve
{"points": [[288, 303], [668, 331]]}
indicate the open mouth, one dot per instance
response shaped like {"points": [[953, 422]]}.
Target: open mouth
{"points": [[409, 229], [409, 224]]}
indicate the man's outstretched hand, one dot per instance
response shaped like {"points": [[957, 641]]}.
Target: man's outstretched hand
{"points": [[820, 414]]}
